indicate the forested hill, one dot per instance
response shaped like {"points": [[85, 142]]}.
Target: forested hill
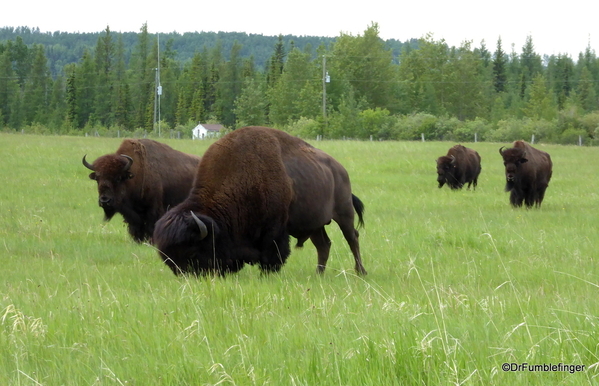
{"points": [[68, 47]]}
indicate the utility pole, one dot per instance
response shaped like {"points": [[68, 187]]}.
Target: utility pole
{"points": [[325, 79], [158, 88]]}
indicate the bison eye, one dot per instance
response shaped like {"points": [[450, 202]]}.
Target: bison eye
{"points": [[93, 176]]}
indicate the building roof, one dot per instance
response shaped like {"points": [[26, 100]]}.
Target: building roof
{"points": [[211, 127]]}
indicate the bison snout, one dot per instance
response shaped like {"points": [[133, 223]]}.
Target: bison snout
{"points": [[104, 200], [510, 177]]}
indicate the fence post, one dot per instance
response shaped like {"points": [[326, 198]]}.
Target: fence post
{"points": [[422, 135], [532, 139], [580, 140], [475, 137]]}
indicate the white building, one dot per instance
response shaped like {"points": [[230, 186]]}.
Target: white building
{"points": [[205, 130]]}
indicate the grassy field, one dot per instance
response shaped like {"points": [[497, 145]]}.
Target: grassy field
{"points": [[459, 283]]}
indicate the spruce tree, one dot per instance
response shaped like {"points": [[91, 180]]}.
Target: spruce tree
{"points": [[105, 57], [499, 68]]}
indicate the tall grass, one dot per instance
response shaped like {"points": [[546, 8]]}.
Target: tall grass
{"points": [[459, 282]]}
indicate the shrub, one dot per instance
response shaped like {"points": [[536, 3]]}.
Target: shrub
{"points": [[304, 128], [571, 136]]}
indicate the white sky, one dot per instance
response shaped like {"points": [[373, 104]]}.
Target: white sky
{"points": [[555, 27]]}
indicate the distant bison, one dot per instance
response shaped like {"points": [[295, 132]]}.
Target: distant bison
{"points": [[527, 173], [461, 165], [253, 188], [141, 181]]}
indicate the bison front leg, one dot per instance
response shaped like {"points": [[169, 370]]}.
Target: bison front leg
{"points": [[275, 253], [321, 241]]}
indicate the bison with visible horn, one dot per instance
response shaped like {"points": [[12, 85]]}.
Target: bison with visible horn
{"points": [[141, 181], [461, 165], [527, 173], [254, 188]]}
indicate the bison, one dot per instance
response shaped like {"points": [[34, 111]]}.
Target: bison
{"points": [[461, 165], [527, 173], [254, 188], [322, 192], [141, 181]]}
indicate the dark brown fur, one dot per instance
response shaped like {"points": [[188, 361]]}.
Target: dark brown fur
{"points": [[242, 194], [527, 172], [159, 177], [320, 192], [461, 165]]}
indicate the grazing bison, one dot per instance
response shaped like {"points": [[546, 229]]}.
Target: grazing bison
{"points": [[527, 173], [141, 181], [236, 212], [461, 165], [253, 188]]}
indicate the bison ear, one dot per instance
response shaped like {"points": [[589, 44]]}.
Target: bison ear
{"points": [[93, 176]]}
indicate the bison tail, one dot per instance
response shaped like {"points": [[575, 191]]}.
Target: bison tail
{"points": [[359, 207]]}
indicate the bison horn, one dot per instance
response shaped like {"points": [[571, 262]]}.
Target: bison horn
{"points": [[452, 159], [129, 162], [201, 225], [501, 150], [86, 164]]}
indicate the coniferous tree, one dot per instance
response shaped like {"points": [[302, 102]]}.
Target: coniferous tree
{"points": [[9, 87], [499, 68], [484, 54], [586, 91], [85, 86], [229, 86], [531, 65], [562, 79], [169, 73], [57, 105], [36, 90], [123, 106], [72, 117], [20, 55], [143, 76], [276, 63], [105, 57]]}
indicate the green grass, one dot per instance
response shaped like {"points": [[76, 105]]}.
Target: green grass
{"points": [[458, 283]]}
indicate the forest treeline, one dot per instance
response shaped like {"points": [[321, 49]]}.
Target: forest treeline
{"points": [[352, 86]]}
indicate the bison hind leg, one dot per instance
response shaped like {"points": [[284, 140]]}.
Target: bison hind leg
{"points": [[321, 241]]}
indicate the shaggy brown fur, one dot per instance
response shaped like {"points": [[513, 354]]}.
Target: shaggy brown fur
{"points": [[142, 189], [254, 187], [527, 173], [461, 165]]}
